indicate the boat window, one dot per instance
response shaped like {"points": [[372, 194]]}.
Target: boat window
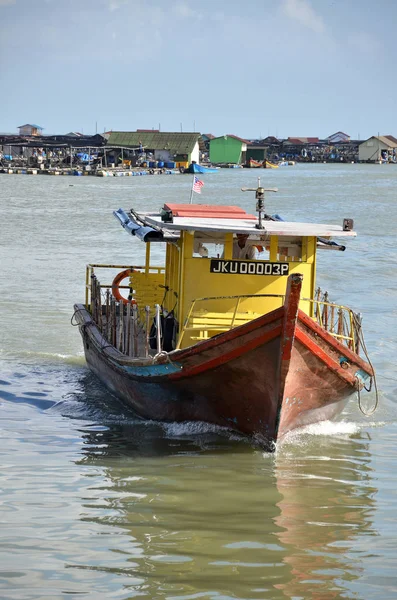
{"points": [[263, 252], [289, 249], [208, 246]]}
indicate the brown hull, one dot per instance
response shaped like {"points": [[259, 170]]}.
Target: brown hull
{"points": [[264, 378]]}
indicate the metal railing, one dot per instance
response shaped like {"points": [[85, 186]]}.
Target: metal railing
{"points": [[129, 331], [338, 320]]}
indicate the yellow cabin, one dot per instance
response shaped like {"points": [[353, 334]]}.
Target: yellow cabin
{"points": [[209, 284]]}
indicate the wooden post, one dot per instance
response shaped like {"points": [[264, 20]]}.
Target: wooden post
{"points": [[93, 296], [107, 335], [121, 327], [325, 312], [147, 343], [318, 296], [358, 318], [332, 328], [158, 329], [127, 330], [135, 323], [114, 322], [99, 304], [131, 334]]}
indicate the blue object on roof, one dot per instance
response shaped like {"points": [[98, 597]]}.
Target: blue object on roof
{"points": [[30, 125]]}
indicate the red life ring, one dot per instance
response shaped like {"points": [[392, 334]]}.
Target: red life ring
{"points": [[116, 286]]}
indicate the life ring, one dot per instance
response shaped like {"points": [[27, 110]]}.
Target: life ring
{"points": [[116, 287]]}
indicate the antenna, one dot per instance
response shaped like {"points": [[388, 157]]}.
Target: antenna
{"points": [[260, 199]]}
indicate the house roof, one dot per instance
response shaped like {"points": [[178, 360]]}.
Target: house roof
{"points": [[303, 140], [391, 138], [30, 125], [338, 133], [182, 143], [230, 135], [384, 139], [270, 139]]}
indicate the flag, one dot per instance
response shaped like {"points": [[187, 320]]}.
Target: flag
{"points": [[197, 185]]}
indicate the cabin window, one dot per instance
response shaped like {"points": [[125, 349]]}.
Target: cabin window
{"points": [[282, 249], [289, 249], [262, 251], [208, 246]]}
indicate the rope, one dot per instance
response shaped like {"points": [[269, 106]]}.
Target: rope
{"points": [[73, 316], [371, 412]]}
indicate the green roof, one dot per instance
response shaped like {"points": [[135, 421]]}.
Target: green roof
{"points": [[178, 143]]}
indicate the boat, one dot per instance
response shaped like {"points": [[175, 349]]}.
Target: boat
{"points": [[254, 164], [249, 345], [269, 165], [196, 168]]}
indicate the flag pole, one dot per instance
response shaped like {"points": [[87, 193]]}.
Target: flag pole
{"points": [[191, 192]]}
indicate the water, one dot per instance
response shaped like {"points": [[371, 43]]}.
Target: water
{"points": [[96, 504]]}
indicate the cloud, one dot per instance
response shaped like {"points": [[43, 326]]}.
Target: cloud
{"points": [[7, 2], [302, 11], [115, 4], [183, 10]]}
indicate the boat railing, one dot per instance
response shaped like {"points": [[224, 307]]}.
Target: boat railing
{"points": [[127, 326], [338, 320], [122, 323], [204, 322]]}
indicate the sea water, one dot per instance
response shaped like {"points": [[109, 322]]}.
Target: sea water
{"points": [[95, 503]]}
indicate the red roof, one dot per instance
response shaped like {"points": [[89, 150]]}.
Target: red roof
{"points": [[208, 211]]}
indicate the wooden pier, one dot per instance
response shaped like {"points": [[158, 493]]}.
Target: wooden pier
{"points": [[107, 172]]}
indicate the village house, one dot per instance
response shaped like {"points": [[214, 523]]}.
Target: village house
{"points": [[181, 148], [28, 130], [228, 149], [378, 148], [338, 138]]}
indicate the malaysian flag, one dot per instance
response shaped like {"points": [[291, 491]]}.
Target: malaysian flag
{"points": [[197, 185]]}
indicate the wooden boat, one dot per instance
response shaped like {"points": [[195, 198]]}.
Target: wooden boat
{"points": [[250, 345], [254, 164], [269, 165]]}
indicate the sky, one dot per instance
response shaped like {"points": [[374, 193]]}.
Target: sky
{"points": [[252, 69]]}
